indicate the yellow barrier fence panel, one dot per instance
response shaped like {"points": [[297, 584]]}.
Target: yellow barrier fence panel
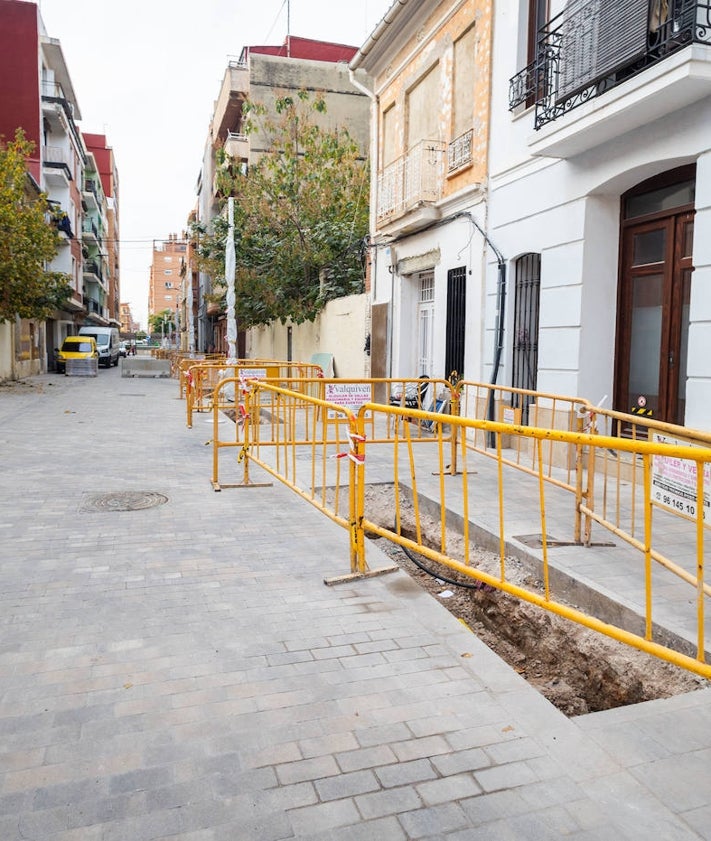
{"points": [[436, 549], [306, 441], [282, 457]]}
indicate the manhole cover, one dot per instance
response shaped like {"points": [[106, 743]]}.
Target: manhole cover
{"points": [[123, 501]]}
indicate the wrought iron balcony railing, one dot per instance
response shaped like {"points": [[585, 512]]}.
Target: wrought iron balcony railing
{"points": [[594, 45], [412, 179], [459, 153]]}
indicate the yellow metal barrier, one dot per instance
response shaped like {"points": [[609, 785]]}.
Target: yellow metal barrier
{"points": [[353, 393], [619, 470], [304, 424], [184, 361], [202, 377], [607, 482], [542, 410], [305, 450], [337, 446], [698, 459]]}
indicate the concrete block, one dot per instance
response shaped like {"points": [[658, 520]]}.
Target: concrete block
{"points": [[145, 366]]}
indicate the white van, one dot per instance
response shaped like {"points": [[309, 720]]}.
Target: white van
{"points": [[107, 342]]}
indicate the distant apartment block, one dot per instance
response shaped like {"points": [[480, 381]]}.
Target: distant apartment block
{"points": [[105, 169], [76, 173], [128, 322], [166, 266]]}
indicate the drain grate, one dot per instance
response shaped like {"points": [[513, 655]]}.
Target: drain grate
{"points": [[123, 501]]}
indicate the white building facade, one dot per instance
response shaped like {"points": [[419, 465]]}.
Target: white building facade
{"points": [[600, 202]]}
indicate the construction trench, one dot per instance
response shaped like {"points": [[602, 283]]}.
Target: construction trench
{"points": [[578, 670]]}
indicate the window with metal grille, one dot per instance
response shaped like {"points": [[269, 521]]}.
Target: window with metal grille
{"points": [[426, 287], [456, 321], [525, 335], [425, 324]]}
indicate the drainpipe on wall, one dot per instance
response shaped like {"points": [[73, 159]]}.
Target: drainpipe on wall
{"points": [[392, 268], [373, 181], [500, 318]]}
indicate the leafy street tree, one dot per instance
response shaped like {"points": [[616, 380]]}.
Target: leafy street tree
{"points": [[27, 241], [162, 322], [301, 217]]}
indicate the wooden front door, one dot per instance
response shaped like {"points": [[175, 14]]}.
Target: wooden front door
{"points": [[653, 316]]}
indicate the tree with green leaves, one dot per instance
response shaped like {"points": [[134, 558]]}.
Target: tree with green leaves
{"points": [[28, 242], [162, 322], [301, 217]]}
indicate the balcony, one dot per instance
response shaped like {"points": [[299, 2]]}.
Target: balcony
{"points": [[228, 107], [459, 154], [237, 146], [411, 185], [91, 195], [59, 219], [604, 69], [96, 313], [57, 166], [92, 271], [54, 93], [90, 233]]}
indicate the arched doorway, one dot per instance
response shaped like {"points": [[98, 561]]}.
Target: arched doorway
{"points": [[656, 241]]}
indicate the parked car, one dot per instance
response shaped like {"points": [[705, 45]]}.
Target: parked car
{"points": [[75, 347], [107, 341], [123, 349]]}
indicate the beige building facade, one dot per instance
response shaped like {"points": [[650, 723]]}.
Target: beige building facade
{"points": [[429, 69], [262, 75]]}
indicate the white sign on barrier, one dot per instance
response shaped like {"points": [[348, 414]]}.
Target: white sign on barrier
{"points": [[674, 481], [252, 374], [349, 395]]}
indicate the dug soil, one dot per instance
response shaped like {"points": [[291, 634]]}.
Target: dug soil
{"points": [[576, 669]]}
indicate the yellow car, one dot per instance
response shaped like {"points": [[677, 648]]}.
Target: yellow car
{"points": [[75, 347]]}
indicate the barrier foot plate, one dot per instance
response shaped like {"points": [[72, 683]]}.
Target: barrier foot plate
{"points": [[216, 486], [355, 576]]}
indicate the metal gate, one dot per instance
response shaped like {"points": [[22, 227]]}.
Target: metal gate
{"points": [[525, 336], [456, 321]]}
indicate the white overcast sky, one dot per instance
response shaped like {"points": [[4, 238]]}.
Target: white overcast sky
{"points": [[147, 72]]}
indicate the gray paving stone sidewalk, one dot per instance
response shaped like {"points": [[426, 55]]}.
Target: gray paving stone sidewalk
{"points": [[181, 671]]}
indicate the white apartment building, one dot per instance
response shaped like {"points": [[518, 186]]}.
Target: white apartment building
{"points": [[600, 202]]}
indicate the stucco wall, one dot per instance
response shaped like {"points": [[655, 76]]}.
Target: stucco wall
{"points": [[23, 353], [341, 330], [346, 107], [6, 351]]}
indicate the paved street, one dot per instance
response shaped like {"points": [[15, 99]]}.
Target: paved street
{"points": [[180, 671]]}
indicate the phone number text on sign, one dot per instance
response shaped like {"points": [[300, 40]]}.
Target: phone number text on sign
{"points": [[674, 481]]}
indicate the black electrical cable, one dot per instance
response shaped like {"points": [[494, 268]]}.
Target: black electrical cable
{"points": [[475, 585]]}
